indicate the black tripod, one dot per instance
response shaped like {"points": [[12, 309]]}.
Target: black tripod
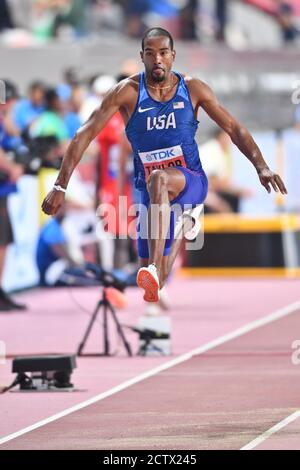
{"points": [[104, 305], [149, 345]]}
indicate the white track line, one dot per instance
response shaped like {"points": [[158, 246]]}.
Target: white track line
{"points": [[271, 431], [178, 360]]}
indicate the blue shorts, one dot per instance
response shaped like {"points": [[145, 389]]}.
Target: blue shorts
{"points": [[193, 193]]}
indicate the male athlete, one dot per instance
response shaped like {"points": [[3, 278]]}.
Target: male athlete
{"points": [[159, 108]]}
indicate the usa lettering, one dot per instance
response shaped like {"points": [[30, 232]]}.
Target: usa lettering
{"points": [[161, 122]]}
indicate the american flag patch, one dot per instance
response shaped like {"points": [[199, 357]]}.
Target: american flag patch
{"points": [[178, 105]]}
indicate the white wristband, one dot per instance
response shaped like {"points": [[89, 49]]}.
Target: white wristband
{"points": [[59, 188]]}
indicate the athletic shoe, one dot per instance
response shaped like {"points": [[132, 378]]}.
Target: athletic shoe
{"points": [[147, 279], [194, 216]]}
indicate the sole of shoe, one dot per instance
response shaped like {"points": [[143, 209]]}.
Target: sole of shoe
{"points": [[145, 280]]}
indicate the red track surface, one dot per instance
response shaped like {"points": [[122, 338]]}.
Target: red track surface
{"points": [[222, 399]]}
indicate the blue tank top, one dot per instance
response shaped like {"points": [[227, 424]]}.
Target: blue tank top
{"points": [[162, 134]]}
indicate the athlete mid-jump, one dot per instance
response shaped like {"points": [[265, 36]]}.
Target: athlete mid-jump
{"points": [[159, 107]]}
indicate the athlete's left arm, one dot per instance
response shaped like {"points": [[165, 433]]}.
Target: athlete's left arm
{"points": [[240, 136]]}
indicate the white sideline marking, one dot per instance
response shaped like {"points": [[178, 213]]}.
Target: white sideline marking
{"points": [[139, 378], [271, 431]]}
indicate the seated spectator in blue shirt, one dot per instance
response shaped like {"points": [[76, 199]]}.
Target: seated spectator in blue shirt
{"points": [[28, 109], [55, 265], [51, 246], [70, 117]]}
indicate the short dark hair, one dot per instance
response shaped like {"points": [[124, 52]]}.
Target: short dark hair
{"points": [[50, 97], [155, 32], [36, 85]]}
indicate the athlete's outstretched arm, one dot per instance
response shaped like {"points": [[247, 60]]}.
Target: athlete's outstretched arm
{"points": [[78, 145], [239, 135]]}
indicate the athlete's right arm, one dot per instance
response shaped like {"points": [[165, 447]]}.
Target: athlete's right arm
{"points": [[109, 106]]}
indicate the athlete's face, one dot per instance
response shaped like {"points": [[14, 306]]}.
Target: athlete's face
{"points": [[158, 58]]}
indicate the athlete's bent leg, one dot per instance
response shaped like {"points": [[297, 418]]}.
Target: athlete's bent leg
{"points": [[163, 186]]}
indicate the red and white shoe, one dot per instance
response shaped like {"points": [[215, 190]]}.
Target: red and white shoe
{"points": [[147, 279]]}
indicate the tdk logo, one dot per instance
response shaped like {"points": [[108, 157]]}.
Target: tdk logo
{"points": [[161, 155]]}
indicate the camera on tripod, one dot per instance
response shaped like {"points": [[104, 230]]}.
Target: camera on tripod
{"points": [[108, 280]]}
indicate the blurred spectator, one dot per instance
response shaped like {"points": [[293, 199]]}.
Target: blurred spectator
{"points": [[5, 16], [142, 14], [73, 15], [52, 18], [10, 140], [70, 116], [134, 13], [28, 109], [125, 249], [81, 225], [100, 85], [51, 246], [42, 18], [50, 122], [188, 19], [221, 17], [56, 265], [107, 16], [70, 77], [108, 140], [20, 12], [285, 17], [10, 172], [216, 159], [71, 94]]}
